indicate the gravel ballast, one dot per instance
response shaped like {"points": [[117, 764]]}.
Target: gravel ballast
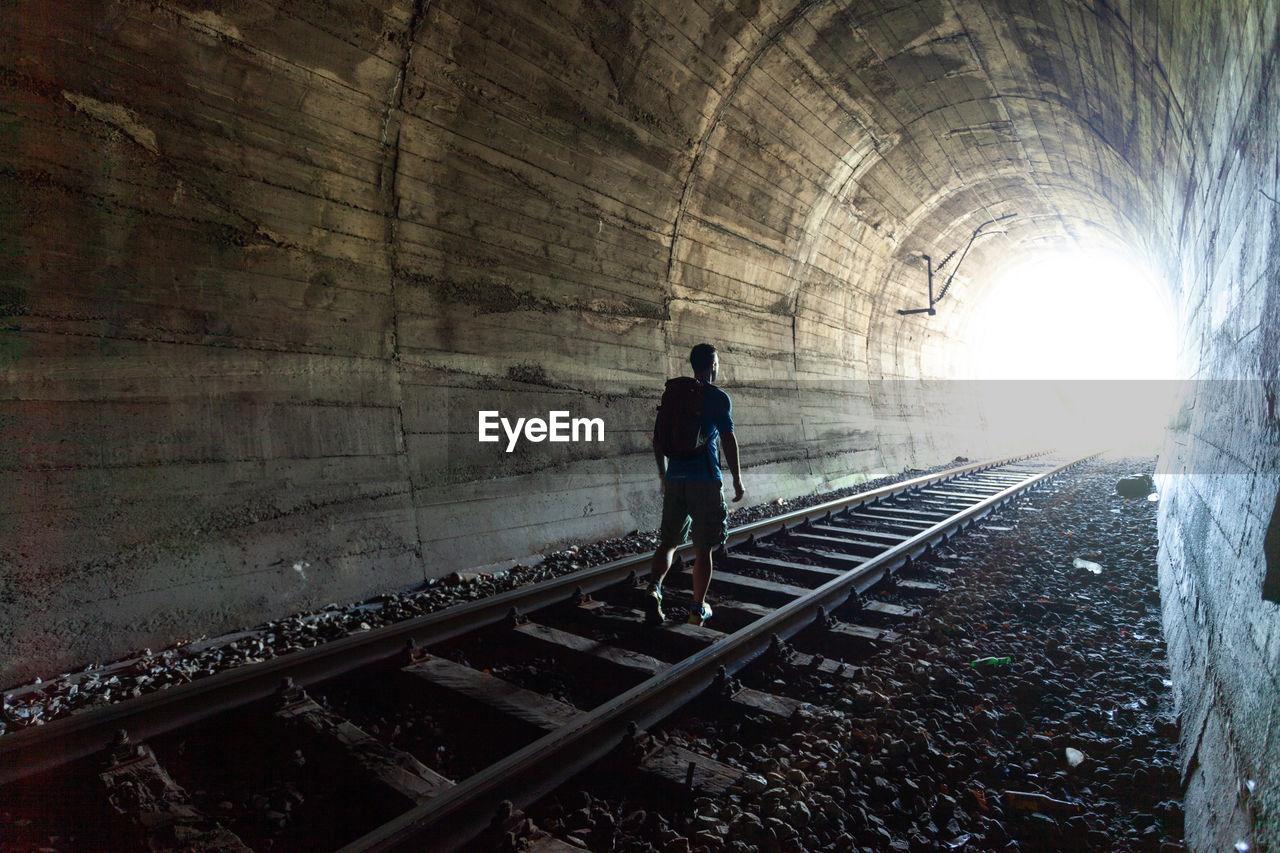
{"points": [[1069, 745]]}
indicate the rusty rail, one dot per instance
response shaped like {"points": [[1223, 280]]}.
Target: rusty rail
{"points": [[459, 814], [37, 749]]}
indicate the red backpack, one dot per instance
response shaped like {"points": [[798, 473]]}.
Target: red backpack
{"points": [[677, 432]]}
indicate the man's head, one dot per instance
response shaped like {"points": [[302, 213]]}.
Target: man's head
{"points": [[705, 361]]}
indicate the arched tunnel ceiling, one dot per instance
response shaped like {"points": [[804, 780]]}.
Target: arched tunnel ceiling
{"points": [[853, 137]]}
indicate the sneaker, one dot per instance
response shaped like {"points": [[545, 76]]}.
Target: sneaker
{"points": [[653, 605], [700, 616]]}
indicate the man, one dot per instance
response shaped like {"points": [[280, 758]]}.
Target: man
{"points": [[692, 496]]}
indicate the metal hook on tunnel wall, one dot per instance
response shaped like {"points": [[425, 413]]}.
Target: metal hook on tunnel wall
{"points": [[977, 232]]}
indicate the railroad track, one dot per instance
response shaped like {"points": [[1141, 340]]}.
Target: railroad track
{"points": [[781, 579]]}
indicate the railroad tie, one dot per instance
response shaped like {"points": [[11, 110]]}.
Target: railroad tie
{"points": [[880, 538], [918, 587], [834, 668], [141, 789], [837, 542], [749, 587], [669, 763], [699, 633], [851, 561], [902, 514], [821, 574], [894, 522], [753, 700], [623, 658], [541, 712], [861, 633], [690, 770], [971, 497], [947, 505], [840, 629], [903, 528], [393, 768], [781, 707], [895, 611]]}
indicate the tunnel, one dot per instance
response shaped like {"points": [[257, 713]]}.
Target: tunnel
{"points": [[266, 264]]}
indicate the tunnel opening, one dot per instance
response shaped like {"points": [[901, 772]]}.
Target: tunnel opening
{"points": [[1083, 314], [1074, 345]]}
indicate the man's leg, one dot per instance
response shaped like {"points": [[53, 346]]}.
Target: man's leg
{"points": [[661, 564], [710, 528], [671, 532], [701, 574], [652, 601]]}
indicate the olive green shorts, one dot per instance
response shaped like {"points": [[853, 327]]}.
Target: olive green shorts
{"points": [[697, 505]]}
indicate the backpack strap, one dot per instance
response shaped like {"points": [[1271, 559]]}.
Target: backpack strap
{"points": [[711, 443]]}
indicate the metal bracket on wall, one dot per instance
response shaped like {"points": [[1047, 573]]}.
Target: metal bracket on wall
{"points": [[929, 261], [977, 232]]}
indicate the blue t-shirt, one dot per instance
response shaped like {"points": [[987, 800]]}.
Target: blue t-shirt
{"points": [[716, 419]]}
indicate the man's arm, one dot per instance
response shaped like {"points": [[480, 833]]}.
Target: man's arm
{"points": [[731, 456], [661, 460]]}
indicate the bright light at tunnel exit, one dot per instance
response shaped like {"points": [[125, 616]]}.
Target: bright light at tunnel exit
{"points": [[1074, 315], [1069, 324]]}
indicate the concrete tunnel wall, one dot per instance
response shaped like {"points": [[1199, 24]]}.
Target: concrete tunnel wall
{"points": [[264, 262]]}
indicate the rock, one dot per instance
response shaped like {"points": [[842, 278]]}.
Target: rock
{"points": [[709, 840], [881, 790], [1087, 565], [779, 829], [579, 819], [1136, 486], [710, 824], [749, 829], [1011, 723]]}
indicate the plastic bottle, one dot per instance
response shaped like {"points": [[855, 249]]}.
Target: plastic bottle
{"points": [[992, 663], [1027, 801]]}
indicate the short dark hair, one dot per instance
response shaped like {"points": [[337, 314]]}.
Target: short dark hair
{"points": [[701, 357]]}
